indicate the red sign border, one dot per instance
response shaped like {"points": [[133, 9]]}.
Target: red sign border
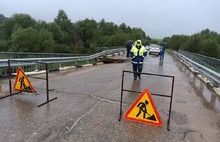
{"points": [[18, 71]]}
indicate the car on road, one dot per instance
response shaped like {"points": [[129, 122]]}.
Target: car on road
{"points": [[154, 49], [147, 47]]}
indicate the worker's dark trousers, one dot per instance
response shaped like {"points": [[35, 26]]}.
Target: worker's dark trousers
{"points": [[137, 68], [161, 56], [128, 51]]}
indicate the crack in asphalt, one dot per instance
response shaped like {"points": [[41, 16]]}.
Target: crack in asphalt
{"points": [[106, 100], [77, 121], [92, 96]]}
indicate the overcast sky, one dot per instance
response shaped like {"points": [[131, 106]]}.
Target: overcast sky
{"points": [[158, 18]]}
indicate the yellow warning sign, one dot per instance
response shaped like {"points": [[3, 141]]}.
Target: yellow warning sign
{"points": [[22, 83], [143, 110]]}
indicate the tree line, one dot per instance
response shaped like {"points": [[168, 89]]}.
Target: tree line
{"points": [[205, 42], [22, 33]]}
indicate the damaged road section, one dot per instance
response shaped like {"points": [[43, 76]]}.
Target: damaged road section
{"points": [[112, 60]]}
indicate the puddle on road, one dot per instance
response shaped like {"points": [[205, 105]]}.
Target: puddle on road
{"points": [[208, 98], [24, 108], [4, 89]]}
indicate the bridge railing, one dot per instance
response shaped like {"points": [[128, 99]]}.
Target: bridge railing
{"points": [[209, 62], [210, 74], [55, 63], [14, 55]]}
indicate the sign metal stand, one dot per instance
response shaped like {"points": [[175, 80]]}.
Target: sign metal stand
{"points": [[160, 95]]}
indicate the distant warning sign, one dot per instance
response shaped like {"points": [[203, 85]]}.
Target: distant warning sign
{"points": [[144, 111], [22, 83]]}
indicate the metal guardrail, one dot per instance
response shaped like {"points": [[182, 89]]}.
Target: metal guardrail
{"points": [[210, 74], [209, 62], [34, 61], [13, 55]]}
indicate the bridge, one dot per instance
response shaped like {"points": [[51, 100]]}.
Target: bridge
{"points": [[88, 105]]}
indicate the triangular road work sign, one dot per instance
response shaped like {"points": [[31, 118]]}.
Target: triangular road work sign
{"points": [[22, 83], [143, 110]]}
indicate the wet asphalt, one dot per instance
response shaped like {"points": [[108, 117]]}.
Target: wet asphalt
{"points": [[88, 105]]}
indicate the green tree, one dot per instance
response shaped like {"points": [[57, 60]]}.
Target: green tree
{"points": [[3, 45], [177, 42], [61, 48], [31, 40], [108, 28], [118, 39], [24, 40], [87, 28], [2, 18], [206, 31], [7, 28], [205, 42], [97, 39], [41, 25], [24, 20], [138, 33], [45, 42], [63, 21], [15, 22], [58, 34], [66, 26], [22, 33], [123, 28], [78, 47], [209, 48], [167, 40]]}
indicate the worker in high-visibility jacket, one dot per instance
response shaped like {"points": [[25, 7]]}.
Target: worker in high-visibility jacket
{"points": [[138, 53]]}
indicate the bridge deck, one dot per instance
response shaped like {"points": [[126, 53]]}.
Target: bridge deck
{"points": [[87, 108]]}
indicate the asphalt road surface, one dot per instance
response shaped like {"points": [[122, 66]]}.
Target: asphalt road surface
{"points": [[88, 101]]}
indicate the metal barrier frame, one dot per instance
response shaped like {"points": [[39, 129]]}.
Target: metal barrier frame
{"points": [[47, 83], [160, 95], [47, 86]]}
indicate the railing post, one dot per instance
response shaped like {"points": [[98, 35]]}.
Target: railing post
{"points": [[215, 84], [60, 65], [36, 67], [9, 76], [47, 82], [76, 63]]}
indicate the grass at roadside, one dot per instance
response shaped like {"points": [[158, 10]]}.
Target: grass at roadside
{"points": [[169, 51]]}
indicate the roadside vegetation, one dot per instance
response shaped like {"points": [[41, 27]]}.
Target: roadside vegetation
{"points": [[205, 42], [22, 33]]}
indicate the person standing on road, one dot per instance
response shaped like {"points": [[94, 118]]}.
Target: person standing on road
{"points": [[129, 44], [162, 52], [138, 53]]}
